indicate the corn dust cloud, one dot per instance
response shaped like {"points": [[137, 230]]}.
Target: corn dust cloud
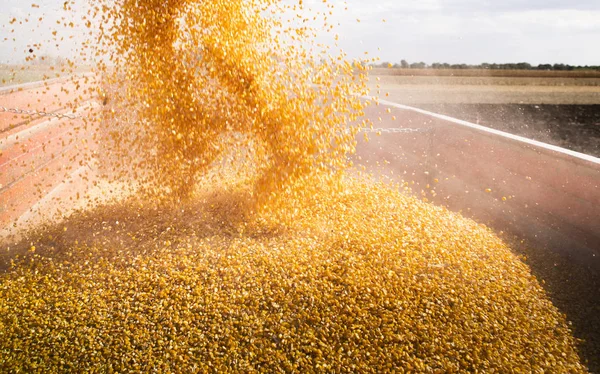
{"points": [[206, 78], [242, 244]]}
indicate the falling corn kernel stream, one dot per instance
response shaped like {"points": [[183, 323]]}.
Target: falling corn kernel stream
{"points": [[242, 239]]}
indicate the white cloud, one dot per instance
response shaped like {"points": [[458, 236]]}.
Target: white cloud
{"points": [[567, 20], [471, 31], [474, 31]]}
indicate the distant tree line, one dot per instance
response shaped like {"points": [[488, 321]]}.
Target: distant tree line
{"points": [[510, 66]]}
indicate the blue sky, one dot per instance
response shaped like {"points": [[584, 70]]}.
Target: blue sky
{"points": [[454, 31]]}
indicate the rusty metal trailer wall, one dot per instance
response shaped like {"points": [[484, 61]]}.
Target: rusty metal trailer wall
{"points": [[544, 194]]}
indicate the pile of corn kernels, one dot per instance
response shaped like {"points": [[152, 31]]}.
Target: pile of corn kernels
{"points": [[366, 280]]}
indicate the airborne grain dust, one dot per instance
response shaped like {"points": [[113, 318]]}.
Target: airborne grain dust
{"points": [[206, 79], [247, 246]]}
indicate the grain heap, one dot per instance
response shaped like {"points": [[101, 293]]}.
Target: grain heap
{"points": [[367, 280], [268, 259]]}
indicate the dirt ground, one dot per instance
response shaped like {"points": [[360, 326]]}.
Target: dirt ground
{"points": [[447, 93], [575, 127], [510, 73], [563, 111]]}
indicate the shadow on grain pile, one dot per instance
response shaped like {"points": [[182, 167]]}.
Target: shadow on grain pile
{"points": [[575, 291]]}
